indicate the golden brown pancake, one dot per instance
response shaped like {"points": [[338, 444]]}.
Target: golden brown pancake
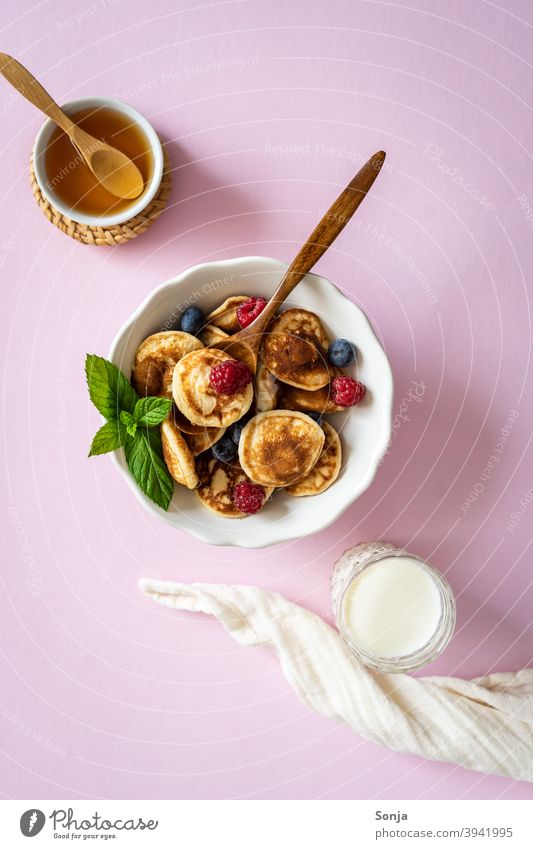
{"points": [[266, 388], [217, 483], [184, 424], [294, 349], [195, 397], [198, 437], [303, 323], [295, 360], [199, 442], [166, 382], [325, 471], [319, 401], [177, 455], [210, 335], [156, 357], [225, 316], [280, 447]]}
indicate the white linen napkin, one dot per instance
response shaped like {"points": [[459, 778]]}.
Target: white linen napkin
{"points": [[485, 724]]}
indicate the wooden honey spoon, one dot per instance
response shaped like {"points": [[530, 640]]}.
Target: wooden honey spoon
{"points": [[245, 344], [112, 168]]}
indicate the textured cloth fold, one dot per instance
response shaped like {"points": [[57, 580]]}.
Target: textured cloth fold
{"points": [[485, 724]]}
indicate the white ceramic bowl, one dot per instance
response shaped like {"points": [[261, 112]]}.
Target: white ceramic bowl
{"points": [[150, 191], [365, 429]]}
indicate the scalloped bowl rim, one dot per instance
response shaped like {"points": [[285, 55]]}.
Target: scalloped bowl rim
{"points": [[232, 536]]}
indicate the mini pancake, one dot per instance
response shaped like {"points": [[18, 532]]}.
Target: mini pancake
{"points": [[294, 349], [303, 323], [217, 484], [183, 423], [280, 447], [319, 401], [295, 360], [156, 355], [266, 388], [166, 382], [177, 455], [325, 471], [195, 397], [225, 316], [199, 442], [210, 335]]}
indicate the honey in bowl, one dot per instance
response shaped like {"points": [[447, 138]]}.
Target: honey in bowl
{"points": [[69, 178]]}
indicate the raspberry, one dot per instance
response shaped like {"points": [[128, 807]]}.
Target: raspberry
{"points": [[249, 310], [248, 497], [229, 376], [347, 392]]}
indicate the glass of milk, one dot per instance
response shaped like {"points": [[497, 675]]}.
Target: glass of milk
{"points": [[395, 612]]}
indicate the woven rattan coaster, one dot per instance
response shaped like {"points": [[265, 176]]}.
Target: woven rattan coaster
{"points": [[107, 236]]}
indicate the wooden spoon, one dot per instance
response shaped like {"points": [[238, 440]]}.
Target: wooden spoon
{"points": [[245, 344], [112, 168]]}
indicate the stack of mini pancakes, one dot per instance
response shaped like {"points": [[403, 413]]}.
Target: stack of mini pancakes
{"points": [[280, 444]]}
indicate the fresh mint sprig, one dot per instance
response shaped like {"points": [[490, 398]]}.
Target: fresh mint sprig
{"points": [[110, 437], [133, 424], [109, 388]]}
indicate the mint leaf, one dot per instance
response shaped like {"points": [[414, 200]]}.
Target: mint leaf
{"points": [[151, 411], [154, 440], [144, 457], [109, 389], [110, 437], [129, 422], [132, 423]]}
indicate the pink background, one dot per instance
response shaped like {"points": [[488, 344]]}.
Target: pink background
{"points": [[105, 694]]}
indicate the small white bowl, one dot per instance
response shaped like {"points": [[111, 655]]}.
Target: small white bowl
{"points": [[150, 191], [365, 430]]}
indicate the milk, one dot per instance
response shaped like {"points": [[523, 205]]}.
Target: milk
{"points": [[392, 608]]}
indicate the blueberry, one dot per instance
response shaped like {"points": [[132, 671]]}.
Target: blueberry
{"points": [[317, 417], [225, 449], [236, 429], [341, 353], [192, 320]]}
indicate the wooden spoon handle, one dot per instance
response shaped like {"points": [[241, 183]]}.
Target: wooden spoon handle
{"points": [[21, 79], [336, 218], [326, 231]]}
